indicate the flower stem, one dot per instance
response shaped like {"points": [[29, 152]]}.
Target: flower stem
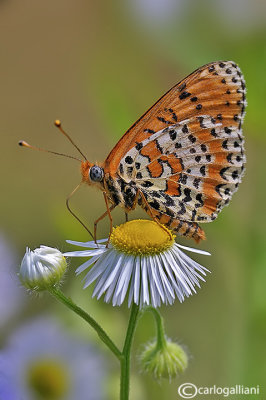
{"points": [[161, 340], [125, 360], [59, 295]]}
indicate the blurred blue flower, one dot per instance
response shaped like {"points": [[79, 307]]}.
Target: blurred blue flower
{"points": [[12, 295], [155, 11], [41, 361]]}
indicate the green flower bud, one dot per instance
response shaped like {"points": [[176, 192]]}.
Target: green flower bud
{"points": [[166, 361], [42, 268]]}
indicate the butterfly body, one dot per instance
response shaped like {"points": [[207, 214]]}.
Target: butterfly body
{"points": [[119, 192], [184, 158]]}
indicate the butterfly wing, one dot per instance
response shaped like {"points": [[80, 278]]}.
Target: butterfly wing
{"points": [[186, 153], [188, 170], [216, 89]]}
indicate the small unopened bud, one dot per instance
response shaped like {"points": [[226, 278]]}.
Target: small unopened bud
{"points": [[42, 268], [166, 361]]}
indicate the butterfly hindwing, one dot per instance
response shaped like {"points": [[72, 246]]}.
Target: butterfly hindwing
{"points": [[189, 170]]}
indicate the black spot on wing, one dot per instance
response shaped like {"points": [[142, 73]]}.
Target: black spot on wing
{"points": [[129, 160], [184, 95], [187, 193], [200, 200], [155, 204], [147, 184]]}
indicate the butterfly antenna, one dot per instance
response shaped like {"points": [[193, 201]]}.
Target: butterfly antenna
{"points": [[25, 144], [59, 126], [74, 215]]}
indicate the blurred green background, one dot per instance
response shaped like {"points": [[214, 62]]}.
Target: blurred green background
{"points": [[98, 65]]}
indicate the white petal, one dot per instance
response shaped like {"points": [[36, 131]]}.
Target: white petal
{"points": [[124, 278], [137, 280], [98, 268], [180, 276], [186, 272], [193, 263], [206, 253], [98, 288], [111, 289], [90, 244], [167, 288], [87, 264], [131, 289], [165, 278], [157, 279], [86, 253], [117, 300], [155, 296], [190, 268], [144, 279], [169, 271], [116, 263], [175, 282]]}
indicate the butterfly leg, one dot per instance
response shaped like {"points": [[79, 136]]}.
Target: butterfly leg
{"points": [[107, 212], [109, 215], [136, 199], [126, 216]]}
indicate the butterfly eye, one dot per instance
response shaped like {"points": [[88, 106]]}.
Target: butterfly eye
{"points": [[96, 173]]}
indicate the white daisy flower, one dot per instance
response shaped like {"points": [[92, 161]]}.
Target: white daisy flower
{"points": [[143, 261]]}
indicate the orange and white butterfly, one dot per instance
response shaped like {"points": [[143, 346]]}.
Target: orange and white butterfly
{"points": [[184, 158]]}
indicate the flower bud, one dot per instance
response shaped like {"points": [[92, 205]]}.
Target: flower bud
{"points": [[42, 268], [165, 361]]}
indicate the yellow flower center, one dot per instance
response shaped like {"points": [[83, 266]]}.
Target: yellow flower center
{"points": [[48, 379], [142, 237]]}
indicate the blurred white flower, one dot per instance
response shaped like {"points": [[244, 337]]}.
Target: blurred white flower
{"points": [[42, 268], [41, 361], [12, 295], [142, 260]]}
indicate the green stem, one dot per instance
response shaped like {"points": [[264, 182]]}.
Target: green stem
{"points": [[59, 295], [125, 360], [161, 340]]}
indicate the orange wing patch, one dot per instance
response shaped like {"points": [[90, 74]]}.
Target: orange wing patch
{"points": [[150, 151], [173, 188], [155, 169]]}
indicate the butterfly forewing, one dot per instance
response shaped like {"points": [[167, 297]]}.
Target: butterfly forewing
{"points": [[186, 153], [218, 88]]}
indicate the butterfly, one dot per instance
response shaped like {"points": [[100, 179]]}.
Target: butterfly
{"points": [[184, 158]]}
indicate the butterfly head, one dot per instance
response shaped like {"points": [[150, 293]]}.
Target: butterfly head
{"points": [[91, 173]]}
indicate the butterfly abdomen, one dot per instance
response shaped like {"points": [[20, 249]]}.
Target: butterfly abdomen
{"points": [[189, 229]]}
